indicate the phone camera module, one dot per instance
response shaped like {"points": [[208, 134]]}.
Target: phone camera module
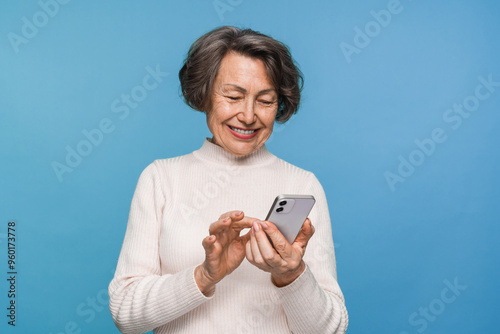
{"points": [[283, 203], [279, 209]]}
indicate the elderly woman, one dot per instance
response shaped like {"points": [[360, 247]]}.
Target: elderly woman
{"points": [[174, 278]]}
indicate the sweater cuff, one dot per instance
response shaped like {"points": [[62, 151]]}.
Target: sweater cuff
{"points": [[297, 281], [303, 288], [192, 270], [186, 294]]}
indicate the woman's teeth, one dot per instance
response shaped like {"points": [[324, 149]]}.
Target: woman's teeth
{"points": [[243, 132]]}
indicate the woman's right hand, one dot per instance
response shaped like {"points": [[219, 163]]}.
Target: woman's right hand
{"points": [[224, 249]]}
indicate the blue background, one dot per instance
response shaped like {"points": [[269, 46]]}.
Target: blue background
{"points": [[396, 246]]}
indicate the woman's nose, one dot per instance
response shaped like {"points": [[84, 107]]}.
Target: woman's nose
{"points": [[247, 114]]}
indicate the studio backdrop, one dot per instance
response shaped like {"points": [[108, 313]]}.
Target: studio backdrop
{"points": [[399, 121]]}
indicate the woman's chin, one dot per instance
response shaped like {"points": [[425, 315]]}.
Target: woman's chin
{"points": [[241, 152], [241, 149]]}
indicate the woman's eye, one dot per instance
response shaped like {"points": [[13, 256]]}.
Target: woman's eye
{"points": [[267, 103], [234, 98]]}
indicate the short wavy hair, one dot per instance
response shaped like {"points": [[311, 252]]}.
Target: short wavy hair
{"points": [[204, 57]]}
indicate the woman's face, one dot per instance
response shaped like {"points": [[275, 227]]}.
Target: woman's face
{"points": [[244, 105]]}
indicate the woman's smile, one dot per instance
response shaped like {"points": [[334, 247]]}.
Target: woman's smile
{"points": [[242, 133]]}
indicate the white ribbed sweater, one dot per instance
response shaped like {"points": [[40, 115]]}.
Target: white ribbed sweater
{"points": [[174, 203]]}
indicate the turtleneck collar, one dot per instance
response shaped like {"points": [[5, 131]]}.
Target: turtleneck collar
{"points": [[215, 153]]}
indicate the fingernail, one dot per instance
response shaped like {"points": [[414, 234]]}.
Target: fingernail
{"points": [[239, 213], [256, 225], [211, 238], [226, 219], [264, 225]]}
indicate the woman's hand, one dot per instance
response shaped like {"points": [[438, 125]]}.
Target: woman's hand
{"points": [[224, 249], [284, 261]]}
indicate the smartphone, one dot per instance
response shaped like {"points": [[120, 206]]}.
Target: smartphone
{"points": [[289, 212]]}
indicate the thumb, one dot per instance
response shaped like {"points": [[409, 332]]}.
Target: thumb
{"points": [[305, 233]]}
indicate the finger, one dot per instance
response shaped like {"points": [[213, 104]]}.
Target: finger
{"points": [[268, 253], [209, 245], [304, 235], [256, 255], [208, 242], [238, 221], [235, 214], [243, 222], [248, 251], [220, 226], [281, 245]]}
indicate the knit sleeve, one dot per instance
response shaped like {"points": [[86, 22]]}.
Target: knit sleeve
{"points": [[314, 303], [141, 298]]}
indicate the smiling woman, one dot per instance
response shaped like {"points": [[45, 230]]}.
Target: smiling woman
{"points": [[165, 280]]}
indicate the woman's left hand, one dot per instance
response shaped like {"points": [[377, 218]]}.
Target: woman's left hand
{"points": [[284, 261]]}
